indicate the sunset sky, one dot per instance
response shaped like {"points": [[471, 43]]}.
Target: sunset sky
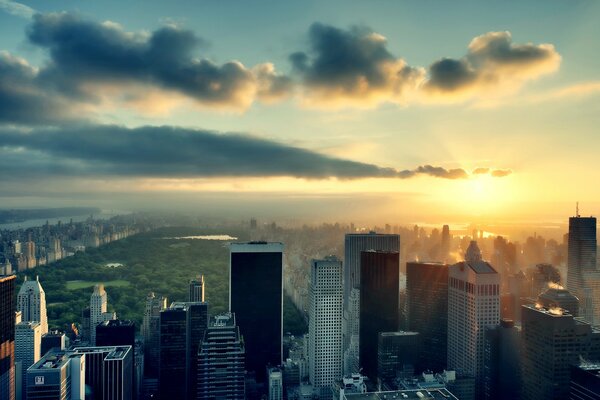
{"points": [[409, 110]]}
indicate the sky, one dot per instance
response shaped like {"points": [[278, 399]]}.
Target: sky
{"points": [[365, 110]]}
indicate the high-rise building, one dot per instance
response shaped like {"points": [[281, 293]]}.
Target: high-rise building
{"points": [[173, 360], [53, 340], [379, 289], [7, 337], [196, 328], [31, 301], [473, 306], [98, 310], [501, 364], [558, 297], [445, 243], [552, 340], [108, 371], [585, 381], [220, 372], [354, 244], [325, 323], [256, 299], [58, 375], [275, 383], [196, 289], [151, 333], [28, 341], [115, 332], [583, 277], [397, 355], [427, 311]]}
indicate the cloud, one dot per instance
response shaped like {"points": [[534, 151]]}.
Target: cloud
{"points": [[85, 55], [499, 173], [114, 151], [481, 171], [17, 9], [352, 67], [493, 65]]}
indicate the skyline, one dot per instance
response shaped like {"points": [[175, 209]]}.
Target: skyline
{"points": [[238, 102]]}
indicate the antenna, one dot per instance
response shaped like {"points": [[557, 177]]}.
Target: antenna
{"points": [[577, 209]]}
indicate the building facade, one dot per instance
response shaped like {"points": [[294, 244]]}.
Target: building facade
{"points": [[397, 355], [31, 301], [7, 337], [151, 333]]}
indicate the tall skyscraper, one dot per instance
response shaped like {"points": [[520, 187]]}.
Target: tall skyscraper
{"points": [[501, 360], [473, 305], [173, 353], [445, 243], [552, 341], [397, 354], [28, 341], [354, 244], [7, 337], [98, 310], [196, 289], [427, 311], [220, 372], [325, 323], [583, 276], [116, 332], [58, 375], [256, 299], [151, 333], [379, 289], [31, 301], [196, 328]]}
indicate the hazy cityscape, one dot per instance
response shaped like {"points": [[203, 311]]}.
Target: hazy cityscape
{"points": [[315, 200]]}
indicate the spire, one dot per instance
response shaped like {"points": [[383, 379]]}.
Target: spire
{"points": [[473, 253]]}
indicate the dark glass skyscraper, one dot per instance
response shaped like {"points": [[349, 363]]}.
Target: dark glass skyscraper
{"points": [[7, 337], [379, 285], [256, 298], [427, 311], [116, 332], [173, 353]]}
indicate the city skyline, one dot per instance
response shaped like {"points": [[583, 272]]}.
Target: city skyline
{"points": [[236, 105]]}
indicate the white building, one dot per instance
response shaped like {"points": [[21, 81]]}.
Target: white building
{"points": [[325, 326], [275, 384], [98, 311], [28, 343], [31, 302], [473, 305]]}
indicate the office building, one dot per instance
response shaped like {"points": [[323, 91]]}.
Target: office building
{"points": [[59, 375], [173, 360], [427, 311], [379, 287], [196, 328], [151, 333], [275, 383], [7, 337], [28, 341], [552, 341], [501, 363], [108, 371], [220, 372], [325, 322], [583, 279], [585, 381], [31, 301], [115, 332], [196, 289], [558, 297], [473, 306], [397, 355], [53, 340], [256, 299], [354, 244], [98, 310]]}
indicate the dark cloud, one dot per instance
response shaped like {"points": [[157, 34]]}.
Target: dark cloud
{"points": [[177, 153], [85, 52], [499, 173], [352, 65], [492, 63]]}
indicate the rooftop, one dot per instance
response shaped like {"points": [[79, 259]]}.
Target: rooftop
{"points": [[117, 322], [421, 394], [479, 267]]}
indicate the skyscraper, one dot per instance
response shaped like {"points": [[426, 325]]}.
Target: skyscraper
{"points": [[220, 372], [502, 369], [116, 332], [98, 310], [558, 297], [275, 383], [583, 277], [427, 311], [7, 337], [58, 375], [552, 341], [28, 341], [256, 299], [473, 305], [151, 333], [173, 353], [379, 289], [53, 340], [397, 353], [196, 289], [31, 301], [325, 323], [354, 244]]}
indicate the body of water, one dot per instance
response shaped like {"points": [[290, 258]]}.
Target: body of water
{"points": [[203, 237]]}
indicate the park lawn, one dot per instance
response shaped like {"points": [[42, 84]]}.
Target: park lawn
{"points": [[74, 285]]}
